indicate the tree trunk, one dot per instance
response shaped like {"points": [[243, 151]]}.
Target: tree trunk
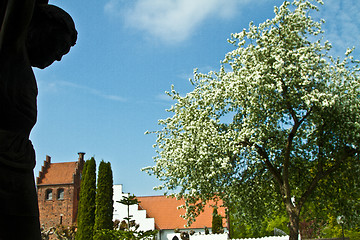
{"points": [[294, 218]]}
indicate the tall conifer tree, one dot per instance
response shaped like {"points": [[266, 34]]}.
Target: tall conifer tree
{"points": [[86, 211], [216, 226], [104, 198]]}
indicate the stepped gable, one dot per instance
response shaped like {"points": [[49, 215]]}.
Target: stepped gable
{"points": [[58, 173]]}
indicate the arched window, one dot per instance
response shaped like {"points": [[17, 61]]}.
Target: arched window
{"points": [[48, 194], [60, 194]]}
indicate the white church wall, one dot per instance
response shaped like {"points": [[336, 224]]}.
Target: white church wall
{"points": [[121, 211]]}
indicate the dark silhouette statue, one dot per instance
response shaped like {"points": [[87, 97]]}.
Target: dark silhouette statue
{"points": [[32, 34]]}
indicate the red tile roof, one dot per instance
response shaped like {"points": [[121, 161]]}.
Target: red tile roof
{"points": [[59, 173], [164, 210]]}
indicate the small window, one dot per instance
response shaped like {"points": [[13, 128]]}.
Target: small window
{"points": [[60, 194], [48, 194]]}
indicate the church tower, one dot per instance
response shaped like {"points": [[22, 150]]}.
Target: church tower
{"points": [[58, 187]]}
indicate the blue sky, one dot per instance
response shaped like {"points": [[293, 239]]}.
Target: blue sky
{"points": [[110, 88]]}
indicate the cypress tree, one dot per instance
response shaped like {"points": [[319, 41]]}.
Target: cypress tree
{"points": [[83, 173], [104, 198], [86, 208], [216, 222]]}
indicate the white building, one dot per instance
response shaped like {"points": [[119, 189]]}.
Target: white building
{"points": [[162, 213], [121, 211]]}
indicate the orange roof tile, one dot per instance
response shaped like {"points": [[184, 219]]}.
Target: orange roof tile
{"points": [[164, 210], [59, 173]]}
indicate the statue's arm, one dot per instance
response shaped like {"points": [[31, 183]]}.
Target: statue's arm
{"points": [[2, 11], [14, 24]]}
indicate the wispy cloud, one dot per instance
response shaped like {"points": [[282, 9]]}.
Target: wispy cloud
{"points": [[342, 27], [55, 85], [164, 97], [113, 8], [172, 21]]}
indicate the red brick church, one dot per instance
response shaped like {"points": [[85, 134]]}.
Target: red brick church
{"points": [[58, 187]]}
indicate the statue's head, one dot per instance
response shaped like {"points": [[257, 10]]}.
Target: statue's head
{"points": [[51, 35]]}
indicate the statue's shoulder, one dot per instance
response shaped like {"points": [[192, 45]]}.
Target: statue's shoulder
{"points": [[15, 17]]}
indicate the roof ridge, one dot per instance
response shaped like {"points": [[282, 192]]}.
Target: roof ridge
{"points": [[63, 162], [156, 196]]}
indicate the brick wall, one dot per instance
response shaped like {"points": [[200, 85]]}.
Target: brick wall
{"points": [[59, 208]]}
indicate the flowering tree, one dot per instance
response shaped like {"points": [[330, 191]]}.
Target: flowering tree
{"points": [[279, 117]]}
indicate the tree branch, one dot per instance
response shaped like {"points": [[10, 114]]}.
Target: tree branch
{"points": [[288, 147], [263, 154]]}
